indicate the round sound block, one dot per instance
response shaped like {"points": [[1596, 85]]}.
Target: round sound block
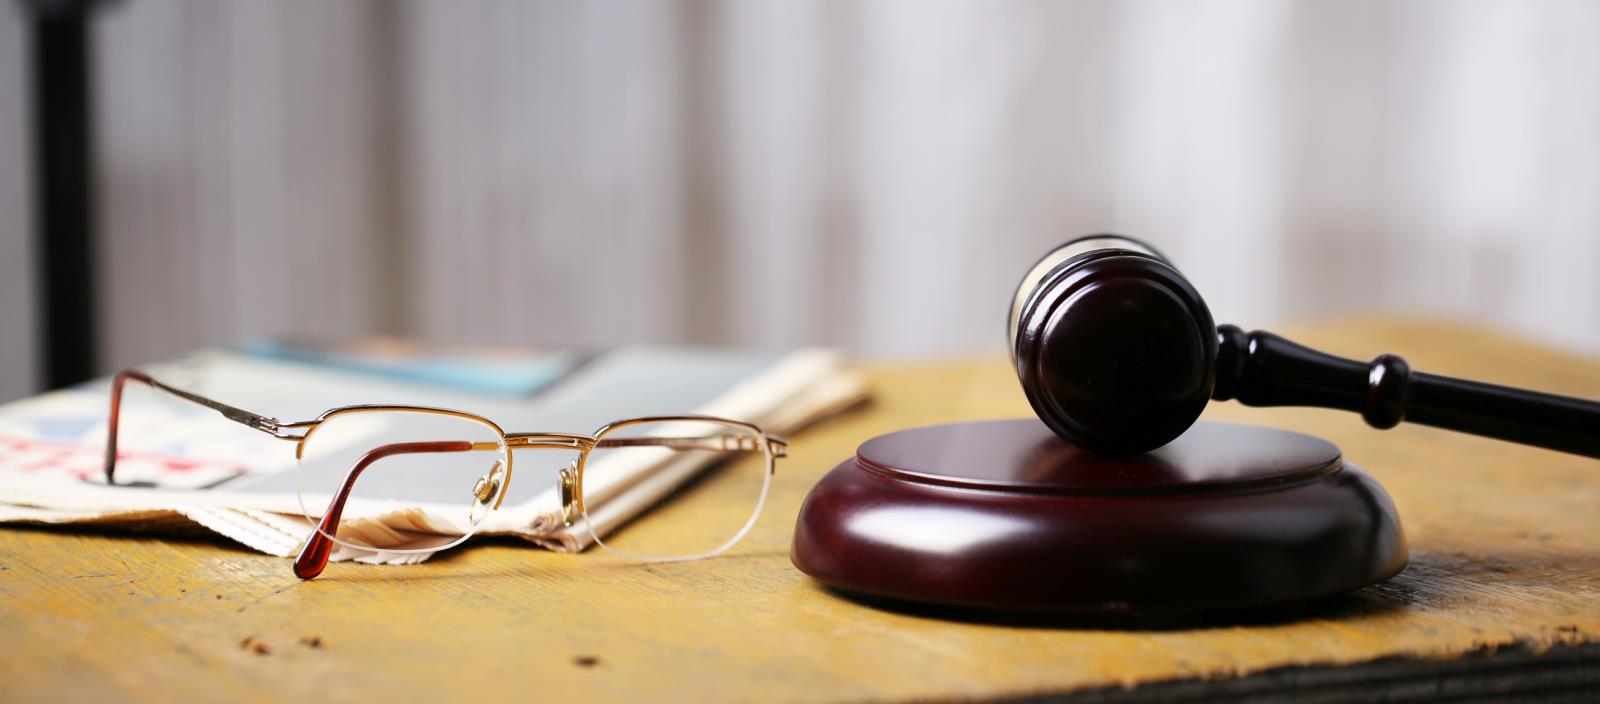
{"points": [[1006, 515]]}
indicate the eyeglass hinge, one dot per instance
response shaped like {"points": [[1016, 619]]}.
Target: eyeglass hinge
{"points": [[270, 426], [780, 446]]}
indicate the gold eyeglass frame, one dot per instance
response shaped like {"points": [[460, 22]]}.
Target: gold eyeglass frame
{"points": [[313, 557]]}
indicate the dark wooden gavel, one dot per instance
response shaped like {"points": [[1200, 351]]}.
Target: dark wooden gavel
{"points": [[1118, 353]]}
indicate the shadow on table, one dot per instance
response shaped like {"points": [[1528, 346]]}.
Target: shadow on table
{"points": [[1432, 580], [1357, 604]]}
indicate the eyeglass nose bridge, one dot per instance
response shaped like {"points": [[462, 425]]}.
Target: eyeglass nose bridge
{"points": [[559, 441]]}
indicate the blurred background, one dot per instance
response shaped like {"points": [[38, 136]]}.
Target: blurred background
{"points": [[872, 175]]}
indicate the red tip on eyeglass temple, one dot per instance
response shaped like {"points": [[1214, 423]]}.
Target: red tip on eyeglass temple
{"points": [[313, 557], [117, 383]]}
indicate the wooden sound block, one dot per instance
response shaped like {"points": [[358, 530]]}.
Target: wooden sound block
{"points": [[1006, 515]]}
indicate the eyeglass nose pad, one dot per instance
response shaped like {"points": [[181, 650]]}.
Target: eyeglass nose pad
{"points": [[485, 490], [568, 483]]}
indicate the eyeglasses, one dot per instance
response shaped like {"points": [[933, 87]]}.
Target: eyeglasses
{"points": [[661, 488]]}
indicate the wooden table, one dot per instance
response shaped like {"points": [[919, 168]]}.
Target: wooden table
{"points": [[1502, 593]]}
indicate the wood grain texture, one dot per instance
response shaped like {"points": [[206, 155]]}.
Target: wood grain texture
{"points": [[1503, 559]]}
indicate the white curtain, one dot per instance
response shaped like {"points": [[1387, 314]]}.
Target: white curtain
{"points": [[873, 175]]}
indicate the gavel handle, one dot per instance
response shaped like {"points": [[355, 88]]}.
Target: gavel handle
{"points": [[1262, 369]]}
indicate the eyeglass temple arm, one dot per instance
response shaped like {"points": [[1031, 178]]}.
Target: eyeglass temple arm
{"points": [[313, 557], [270, 426], [719, 443]]}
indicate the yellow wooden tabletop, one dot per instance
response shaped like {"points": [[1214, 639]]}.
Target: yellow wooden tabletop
{"points": [[1503, 555]]}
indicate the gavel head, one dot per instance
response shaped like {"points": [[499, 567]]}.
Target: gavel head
{"points": [[1115, 349]]}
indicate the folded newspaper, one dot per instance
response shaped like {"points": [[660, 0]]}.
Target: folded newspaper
{"points": [[189, 471]]}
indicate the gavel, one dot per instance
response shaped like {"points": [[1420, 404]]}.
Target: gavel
{"points": [[1118, 353]]}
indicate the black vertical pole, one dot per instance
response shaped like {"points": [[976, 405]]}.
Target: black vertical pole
{"points": [[63, 189]]}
